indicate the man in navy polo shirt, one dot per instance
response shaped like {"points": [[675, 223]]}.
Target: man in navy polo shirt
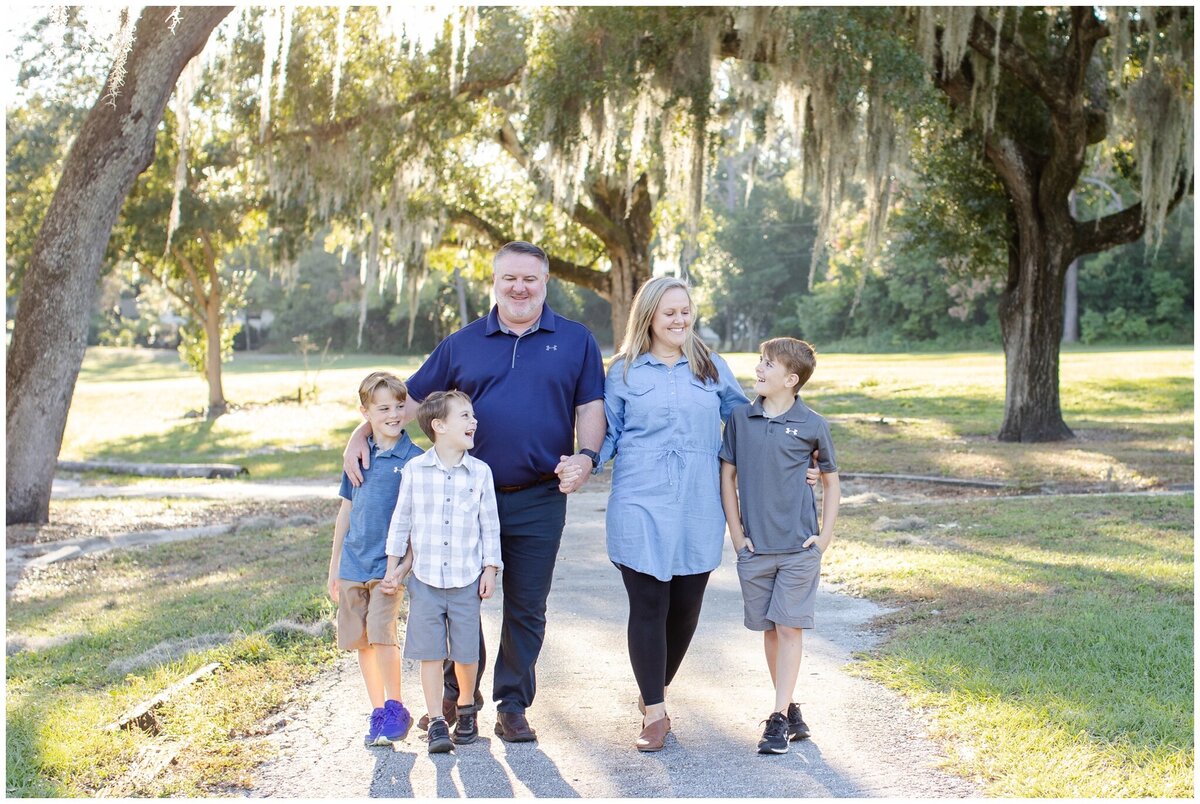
{"points": [[536, 381]]}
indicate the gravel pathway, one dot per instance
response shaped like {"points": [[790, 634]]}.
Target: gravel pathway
{"points": [[865, 742]]}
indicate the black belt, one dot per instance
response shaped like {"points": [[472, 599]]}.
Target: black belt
{"points": [[542, 478]]}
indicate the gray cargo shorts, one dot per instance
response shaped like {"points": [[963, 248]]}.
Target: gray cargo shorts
{"points": [[779, 588]]}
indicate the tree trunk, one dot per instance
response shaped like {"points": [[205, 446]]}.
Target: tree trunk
{"points": [[627, 273], [460, 288], [1071, 294], [1031, 328], [212, 358], [1071, 304], [115, 144], [623, 221]]}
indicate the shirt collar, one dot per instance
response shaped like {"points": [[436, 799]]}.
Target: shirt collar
{"points": [[431, 458], [798, 412], [403, 443], [647, 357], [545, 321]]}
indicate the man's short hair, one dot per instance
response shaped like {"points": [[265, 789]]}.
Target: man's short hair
{"points": [[437, 406], [797, 356], [381, 379], [521, 247]]}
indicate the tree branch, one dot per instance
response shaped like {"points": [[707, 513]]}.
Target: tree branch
{"points": [[1119, 228], [1016, 59], [194, 280], [594, 221], [210, 263], [590, 278], [468, 90], [161, 279]]}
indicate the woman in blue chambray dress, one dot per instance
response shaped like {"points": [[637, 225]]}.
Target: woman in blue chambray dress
{"points": [[665, 397]]}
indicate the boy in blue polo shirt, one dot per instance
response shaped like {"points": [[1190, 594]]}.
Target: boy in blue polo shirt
{"points": [[766, 450], [367, 614]]}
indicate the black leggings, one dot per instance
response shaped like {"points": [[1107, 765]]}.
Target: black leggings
{"points": [[662, 619]]}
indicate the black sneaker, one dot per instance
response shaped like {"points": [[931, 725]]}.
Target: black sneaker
{"points": [[466, 729], [797, 728], [439, 736], [775, 735]]}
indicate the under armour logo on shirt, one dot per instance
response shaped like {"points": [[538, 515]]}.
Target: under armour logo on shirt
{"points": [[395, 469], [552, 348], [791, 431]]}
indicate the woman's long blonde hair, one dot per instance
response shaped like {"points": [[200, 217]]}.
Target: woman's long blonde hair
{"points": [[637, 330]]}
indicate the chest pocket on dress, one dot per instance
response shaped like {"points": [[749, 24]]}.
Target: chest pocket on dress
{"points": [[704, 394], [641, 403]]}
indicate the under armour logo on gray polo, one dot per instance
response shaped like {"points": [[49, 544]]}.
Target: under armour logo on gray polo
{"points": [[791, 431]]}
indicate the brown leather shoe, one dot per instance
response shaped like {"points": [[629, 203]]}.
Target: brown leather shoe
{"points": [[512, 727], [654, 735]]}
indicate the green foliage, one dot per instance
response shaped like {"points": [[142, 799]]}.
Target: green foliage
{"points": [[1137, 294], [54, 90], [757, 262], [956, 209]]}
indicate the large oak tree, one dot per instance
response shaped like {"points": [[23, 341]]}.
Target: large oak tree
{"points": [[115, 144]]}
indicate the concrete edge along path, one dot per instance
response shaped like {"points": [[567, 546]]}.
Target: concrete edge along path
{"points": [[865, 741]]}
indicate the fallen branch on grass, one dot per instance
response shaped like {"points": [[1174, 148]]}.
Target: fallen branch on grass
{"points": [[142, 716], [209, 470], [947, 481]]}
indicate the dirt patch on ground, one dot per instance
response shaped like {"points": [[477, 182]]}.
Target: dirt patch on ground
{"points": [[73, 519]]}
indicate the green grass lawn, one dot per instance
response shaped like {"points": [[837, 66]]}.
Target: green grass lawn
{"points": [[934, 414], [108, 610], [938, 414], [1050, 639]]}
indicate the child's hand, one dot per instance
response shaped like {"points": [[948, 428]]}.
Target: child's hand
{"points": [[487, 582], [813, 474], [331, 586], [821, 542], [747, 544]]}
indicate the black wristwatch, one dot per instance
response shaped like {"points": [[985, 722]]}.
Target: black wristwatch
{"points": [[591, 453]]}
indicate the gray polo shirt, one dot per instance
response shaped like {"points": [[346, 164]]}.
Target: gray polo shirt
{"points": [[779, 508]]}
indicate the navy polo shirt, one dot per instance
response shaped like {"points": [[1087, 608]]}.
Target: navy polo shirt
{"points": [[524, 389], [364, 549], [779, 508]]}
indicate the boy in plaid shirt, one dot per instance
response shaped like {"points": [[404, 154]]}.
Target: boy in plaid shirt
{"points": [[447, 529]]}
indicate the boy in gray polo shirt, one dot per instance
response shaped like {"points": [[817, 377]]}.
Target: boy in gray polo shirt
{"points": [[772, 515], [367, 612]]}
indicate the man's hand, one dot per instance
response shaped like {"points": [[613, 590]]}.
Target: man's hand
{"points": [[487, 582], [813, 474], [357, 451], [572, 471], [749, 545]]}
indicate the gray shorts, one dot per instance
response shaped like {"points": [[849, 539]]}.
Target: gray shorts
{"points": [[436, 616], [779, 588]]}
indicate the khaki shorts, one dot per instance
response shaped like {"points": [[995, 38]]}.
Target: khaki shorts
{"points": [[366, 616], [779, 588]]}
